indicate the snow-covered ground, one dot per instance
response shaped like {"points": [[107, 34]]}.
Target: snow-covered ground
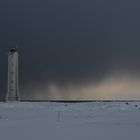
{"points": [[70, 121]]}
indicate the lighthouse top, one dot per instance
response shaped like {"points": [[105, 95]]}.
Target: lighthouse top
{"points": [[13, 50]]}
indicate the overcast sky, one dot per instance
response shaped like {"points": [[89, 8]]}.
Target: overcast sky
{"points": [[73, 49]]}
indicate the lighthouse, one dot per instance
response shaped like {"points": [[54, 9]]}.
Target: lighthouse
{"points": [[12, 81]]}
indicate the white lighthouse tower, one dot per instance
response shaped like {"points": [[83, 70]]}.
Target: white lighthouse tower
{"points": [[12, 83]]}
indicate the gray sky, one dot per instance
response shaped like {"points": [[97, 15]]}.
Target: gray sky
{"points": [[68, 45]]}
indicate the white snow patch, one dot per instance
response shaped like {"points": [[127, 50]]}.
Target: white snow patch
{"points": [[70, 121]]}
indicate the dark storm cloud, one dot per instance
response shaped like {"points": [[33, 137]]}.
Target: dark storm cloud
{"points": [[74, 41]]}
